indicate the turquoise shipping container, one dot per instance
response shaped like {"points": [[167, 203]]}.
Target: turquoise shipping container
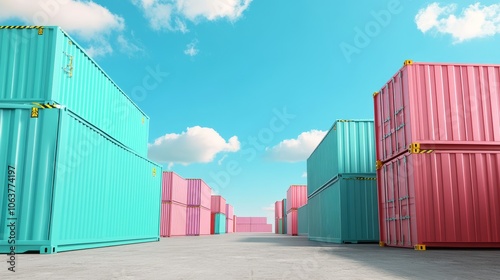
{"points": [[280, 226], [218, 223], [69, 186], [348, 147], [346, 211], [303, 223], [43, 63], [284, 218]]}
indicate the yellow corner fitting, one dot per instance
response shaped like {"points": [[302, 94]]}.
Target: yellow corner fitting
{"points": [[381, 244], [414, 148], [154, 172], [40, 31], [420, 247], [34, 112], [378, 164], [375, 93], [408, 62]]}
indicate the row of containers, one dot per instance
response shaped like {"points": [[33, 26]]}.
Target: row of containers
{"points": [[424, 173], [73, 155], [190, 209]]}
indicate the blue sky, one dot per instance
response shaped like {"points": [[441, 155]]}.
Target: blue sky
{"points": [[240, 92]]}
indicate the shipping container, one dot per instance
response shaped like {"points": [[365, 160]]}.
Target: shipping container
{"points": [[258, 220], [437, 102], [197, 221], [173, 219], [345, 211], [218, 223], [40, 64], [234, 223], [291, 222], [254, 228], [440, 199], [284, 226], [278, 209], [199, 193], [73, 185], [348, 147], [174, 188], [229, 225], [280, 226], [244, 220], [218, 204], [303, 224], [296, 197], [229, 211]]}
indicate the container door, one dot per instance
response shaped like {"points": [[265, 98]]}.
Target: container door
{"points": [[400, 113], [28, 138], [406, 201], [384, 122]]}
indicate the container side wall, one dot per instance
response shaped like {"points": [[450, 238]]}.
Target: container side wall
{"points": [[303, 224]]}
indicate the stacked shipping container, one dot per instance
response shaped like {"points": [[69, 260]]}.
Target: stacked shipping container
{"points": [[278, 217], [229, 218], [283, 220], [198, 216], [174, 205], [303, 224], [342, 202], [74, 183], [253, 224], [296, 198], [438, 151], [218, 219]]}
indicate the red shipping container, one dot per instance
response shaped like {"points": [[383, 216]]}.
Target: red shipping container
{"points": [[296, 197], [292, 222], [278, 209], [437, 102], [447, 198], [276, 226], [199, 193], [218, 204], [197, 221], [229, 211], [173, 219], [174, 188]]}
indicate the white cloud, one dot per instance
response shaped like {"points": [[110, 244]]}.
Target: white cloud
{"points": [[90, 22], [191, 49], [197, 144], [128, 47], [161, 13], [304, 175], [269, 208], [294, 150], [475, 21]]}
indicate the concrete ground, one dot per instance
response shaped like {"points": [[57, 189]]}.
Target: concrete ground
{"points": [[255, 256]]}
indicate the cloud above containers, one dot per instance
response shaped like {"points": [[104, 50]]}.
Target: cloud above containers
{"points": [[195, 145], [475, 21], [298, 149], [92, 23], [171, 15]]}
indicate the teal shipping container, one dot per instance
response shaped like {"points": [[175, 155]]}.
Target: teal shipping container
{"points": [[303, 223], [348, 147], [284, 218], [280, 226], [346, 211], [218, 223], [43, 63], [68, 186]]}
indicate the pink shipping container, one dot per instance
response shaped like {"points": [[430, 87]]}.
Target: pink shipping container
{"points": [[229, 225], [199, 193], [296, 197], [440, 198], [174, 188], [234, 223], [173, 219], [258, 220], [198, 221], [437, 102], [229, 211], [254, 228], [218, 204], [278, 209], [244, 220], [243, 228], [292, 222]]}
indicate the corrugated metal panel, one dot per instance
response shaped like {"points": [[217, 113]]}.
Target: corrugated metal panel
{"points": [[244, 220], [303, 224], [254, 228], [280, 226], [229, 211], [199, 193], [174, 188], [37, 68], [291, 222], [218, 204], [229, 224], [348, 147], [296, 197], [198, 221], [437, 102], [441, 199], [74, 185], [173, 219], [284, 226], [218, 223], [345, 211], [278, 209], [258, 220]]}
